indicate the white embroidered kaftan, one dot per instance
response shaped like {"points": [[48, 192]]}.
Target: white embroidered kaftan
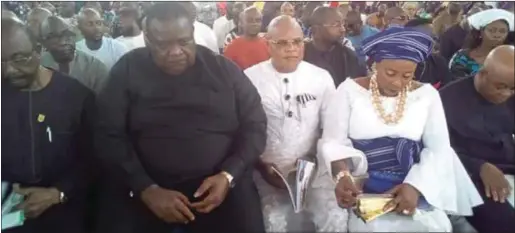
{"points": [[294, 104], [439, 176]]}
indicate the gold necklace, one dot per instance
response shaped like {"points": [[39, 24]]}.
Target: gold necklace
{"points": [[396, 116]]}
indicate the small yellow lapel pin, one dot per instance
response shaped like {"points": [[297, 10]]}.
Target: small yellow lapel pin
{"points": [[41, 118]]}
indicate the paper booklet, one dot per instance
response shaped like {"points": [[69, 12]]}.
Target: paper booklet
{"points": [[11, 217], [298, 181]]}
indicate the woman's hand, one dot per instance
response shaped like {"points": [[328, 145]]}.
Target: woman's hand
{"points": [[346, 192], [405, 199]]}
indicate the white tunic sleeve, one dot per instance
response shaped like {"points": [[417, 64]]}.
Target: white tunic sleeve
{"points": [[335, 143], [440, 176]]}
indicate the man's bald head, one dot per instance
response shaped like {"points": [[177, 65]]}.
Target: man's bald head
{"points": [[282, 25], [495, 80], [87, 13], [501, 58]]}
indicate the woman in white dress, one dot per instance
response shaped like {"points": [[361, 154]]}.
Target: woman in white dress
{"points": [[394, 129]]}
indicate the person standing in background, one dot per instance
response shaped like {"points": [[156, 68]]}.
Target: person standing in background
{"points": [[451, 16], [248, 49], [131, 34], [237, 30], [61, 54], [288, 9], [203, 34], [376, 19], [395, 17], [223, 25], [357, 32], [95, 43]]}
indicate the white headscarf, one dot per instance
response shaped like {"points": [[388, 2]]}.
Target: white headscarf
{"points": [[483, 18]]}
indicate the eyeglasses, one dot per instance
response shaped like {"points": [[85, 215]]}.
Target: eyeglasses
{"points": [[287, 43], [19, 61]]}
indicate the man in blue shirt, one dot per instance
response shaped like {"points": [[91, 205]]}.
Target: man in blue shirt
{"points": [[357, 31]]}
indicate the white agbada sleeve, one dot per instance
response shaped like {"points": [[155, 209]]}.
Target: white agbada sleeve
{"points": [[440, 175], [335, 143]]}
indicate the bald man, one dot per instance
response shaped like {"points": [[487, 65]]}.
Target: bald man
{"points": [[250, 48], [287, 9], [294, 95], [395, 16], [95, 43], [34, 19], [480, 113]]}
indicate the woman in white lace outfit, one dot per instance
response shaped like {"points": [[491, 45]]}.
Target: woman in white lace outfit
{"points": [[394, 128]]}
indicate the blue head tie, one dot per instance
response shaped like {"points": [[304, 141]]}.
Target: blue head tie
{"points": [[398, 43]]}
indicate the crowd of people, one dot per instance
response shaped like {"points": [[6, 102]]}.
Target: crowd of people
{"points": [[173, 116]]}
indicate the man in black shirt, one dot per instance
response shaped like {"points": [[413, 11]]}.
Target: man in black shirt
{"points": [[184, 128], [326, 51], [480, 112], [47, 136]]}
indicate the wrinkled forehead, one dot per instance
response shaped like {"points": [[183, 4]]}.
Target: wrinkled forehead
{"points": [[170, 29], [286, 31]]}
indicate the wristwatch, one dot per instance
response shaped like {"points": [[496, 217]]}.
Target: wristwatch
{"points": [[229, 178], [342, 174], [62, 197]]}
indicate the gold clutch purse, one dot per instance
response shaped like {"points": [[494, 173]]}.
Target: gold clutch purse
{"points": [[371, 206]]}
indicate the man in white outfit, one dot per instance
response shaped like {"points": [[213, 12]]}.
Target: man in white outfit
{"points": [[294, 95]]}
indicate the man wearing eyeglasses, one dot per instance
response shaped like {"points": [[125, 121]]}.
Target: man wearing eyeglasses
{"points": [[294, 95], [326, 51], [58, 39], [180, 128], [47, 136]]}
